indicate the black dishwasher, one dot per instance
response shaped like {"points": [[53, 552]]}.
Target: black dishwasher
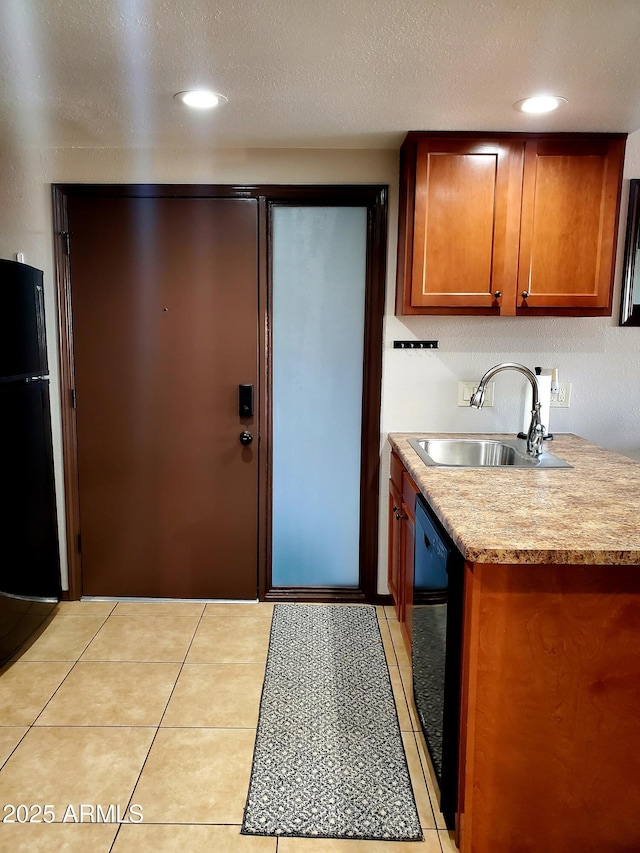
{"points": [[436, 649]]}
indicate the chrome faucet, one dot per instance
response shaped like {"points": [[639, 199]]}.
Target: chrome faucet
{"points": [[535, 435]]}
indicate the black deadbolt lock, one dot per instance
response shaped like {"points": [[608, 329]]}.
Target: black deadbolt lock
{"points": [[245, 401]]}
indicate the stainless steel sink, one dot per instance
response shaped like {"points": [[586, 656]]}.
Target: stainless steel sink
{"points": [[481, 453]]}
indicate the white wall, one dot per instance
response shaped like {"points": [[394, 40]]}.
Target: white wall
{"points": [[599, 358]]}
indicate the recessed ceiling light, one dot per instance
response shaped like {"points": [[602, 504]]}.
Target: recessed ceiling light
{"points": [[201, 99], [540, 104]]}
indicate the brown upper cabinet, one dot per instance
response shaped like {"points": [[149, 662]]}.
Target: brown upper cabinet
{"points": [[508, 224]]}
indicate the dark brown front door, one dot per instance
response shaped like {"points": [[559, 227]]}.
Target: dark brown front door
{"points": [[164, 295]]}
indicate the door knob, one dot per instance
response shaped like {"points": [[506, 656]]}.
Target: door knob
{"points": [[246, 437]]}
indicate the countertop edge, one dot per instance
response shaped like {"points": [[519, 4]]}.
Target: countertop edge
{"points": [[500, 555]]}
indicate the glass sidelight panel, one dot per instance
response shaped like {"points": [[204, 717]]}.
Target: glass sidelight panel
{"points": [[318, 300]]}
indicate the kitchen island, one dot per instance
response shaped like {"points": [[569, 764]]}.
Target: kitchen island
{"points": [[550, 685]]}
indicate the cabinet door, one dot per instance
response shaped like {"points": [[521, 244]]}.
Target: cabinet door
{"points": [[570, 206], [465, 223], [407, 561], [393, 579], [407, 555]]}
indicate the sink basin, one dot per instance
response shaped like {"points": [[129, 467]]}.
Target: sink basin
{"points": [[481, 453]]}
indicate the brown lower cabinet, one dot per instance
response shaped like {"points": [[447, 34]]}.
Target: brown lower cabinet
{"points": [[549, 710], [402, 502]]}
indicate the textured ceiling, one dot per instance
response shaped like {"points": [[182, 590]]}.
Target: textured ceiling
{"points": [[310, 73]]}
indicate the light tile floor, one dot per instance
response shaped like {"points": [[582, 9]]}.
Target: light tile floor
{"points": [[155, 704]]}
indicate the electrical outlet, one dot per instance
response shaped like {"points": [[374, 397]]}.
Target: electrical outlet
{"points": [[561, 398], [466, 389]]}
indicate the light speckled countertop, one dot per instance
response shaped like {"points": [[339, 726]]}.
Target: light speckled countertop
{"points": [[588, 514]]}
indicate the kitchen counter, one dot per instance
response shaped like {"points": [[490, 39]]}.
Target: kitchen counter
{"points": [[549, 709], [585, 515]]}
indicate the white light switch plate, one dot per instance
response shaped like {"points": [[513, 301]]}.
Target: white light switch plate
{"points": [[466, 389]]}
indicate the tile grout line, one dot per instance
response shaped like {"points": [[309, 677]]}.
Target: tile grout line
{"points": [[412, 731], [23, 648], [413, 734], [73, 666], [153, 739], [13, 660], [15, 747], [394, 661], [393, 645]]}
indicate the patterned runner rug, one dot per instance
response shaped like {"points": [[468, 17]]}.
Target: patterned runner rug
{"points": [[329, 760]]}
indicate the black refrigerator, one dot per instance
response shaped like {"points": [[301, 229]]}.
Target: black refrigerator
{"points": [[29, 556]]}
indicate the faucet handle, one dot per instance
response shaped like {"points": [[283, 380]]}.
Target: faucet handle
{"points": [[477, 398]]}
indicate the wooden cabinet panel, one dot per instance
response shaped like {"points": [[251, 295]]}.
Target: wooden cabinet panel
{"points": [[402, 500], [485, 219], [464, 217], [408, 538], [396, 471], [409, 492], [550, 740], [569, 217], [395, 544], [453, 231], [407, 559]]}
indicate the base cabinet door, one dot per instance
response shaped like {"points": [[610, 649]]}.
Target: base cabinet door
{"points": [[408, 539], [394, 581], [550, 703], [402, 500]]}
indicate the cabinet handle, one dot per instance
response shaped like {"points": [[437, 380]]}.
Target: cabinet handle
{"points": [[396, 508], [498, 294], [525, 294]]}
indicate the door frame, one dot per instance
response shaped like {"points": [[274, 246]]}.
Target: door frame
{"points": [[375, 199]]}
